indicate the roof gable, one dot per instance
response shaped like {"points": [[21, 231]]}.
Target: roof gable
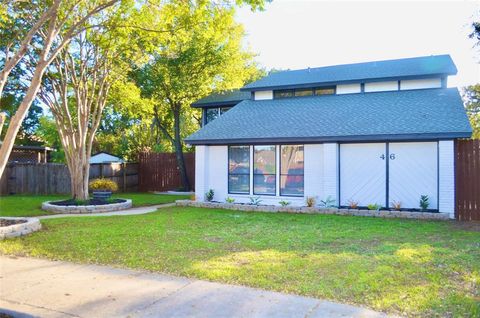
{"points": [[400, 68]]}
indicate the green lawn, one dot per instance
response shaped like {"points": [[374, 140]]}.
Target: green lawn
{"points": [[29, 205], [407, 267]]}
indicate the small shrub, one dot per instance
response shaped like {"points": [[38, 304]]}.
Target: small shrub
{"points": [[255, 200], [209, 195], [374, 207], [424, 202], [329, 202], [310, 201], [102, 184], [352, 204], [284, 203], [229, 200], [396, 205], [193, 197]]}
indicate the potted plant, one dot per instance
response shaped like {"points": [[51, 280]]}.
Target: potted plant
{"points": [[102, 188]]}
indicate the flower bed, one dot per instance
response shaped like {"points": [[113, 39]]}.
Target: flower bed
{"points": [[315, 210], [12, 227], [64, 207]]}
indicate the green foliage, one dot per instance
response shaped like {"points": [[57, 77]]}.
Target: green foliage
{"points": [[374, 207], [209, 195], [230, 200], [103, 184], [471, 96], [408, 268], [255, 200], [284, 203], [47, 132], [424, 202], [328, 202]]}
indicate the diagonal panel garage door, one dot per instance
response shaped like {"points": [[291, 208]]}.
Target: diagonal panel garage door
{"points": [[413, 172], [363, 173]]}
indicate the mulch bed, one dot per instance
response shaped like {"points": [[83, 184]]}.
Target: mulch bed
{"points": [[7, 222], [71, 202]]}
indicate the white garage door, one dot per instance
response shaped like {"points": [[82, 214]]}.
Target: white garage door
{"points": [[412, 173], [363, 173]]}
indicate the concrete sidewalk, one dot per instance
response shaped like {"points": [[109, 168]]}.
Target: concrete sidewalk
{"points": [[33, 287]]}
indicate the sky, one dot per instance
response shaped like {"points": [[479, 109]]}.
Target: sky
{"points": [[293, 34]]}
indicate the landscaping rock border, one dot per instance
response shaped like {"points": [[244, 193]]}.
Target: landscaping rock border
{"points": [[315, 210], [14, 230], [47, 206]]}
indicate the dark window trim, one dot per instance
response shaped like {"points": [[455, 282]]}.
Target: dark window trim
{"points": [[238, 174], [313, 89], [281, 174], [261, 174]]}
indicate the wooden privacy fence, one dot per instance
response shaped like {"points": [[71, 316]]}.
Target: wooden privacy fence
{"points": [[54, 178], [467, 180], [160, 172]]}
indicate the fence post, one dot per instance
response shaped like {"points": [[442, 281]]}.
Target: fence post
{"points": [[124, 164]]}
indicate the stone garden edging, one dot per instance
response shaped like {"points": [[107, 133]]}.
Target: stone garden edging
{"points": [[315, 210], [47, 206], [14, 230]]}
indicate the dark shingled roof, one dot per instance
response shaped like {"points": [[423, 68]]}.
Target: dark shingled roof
{"points": [[224, 98], [397, 115], [402, 68]]}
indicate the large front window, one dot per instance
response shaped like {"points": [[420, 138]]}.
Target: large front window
{"points": [[291, 170], [239, 169], [264, 170]]}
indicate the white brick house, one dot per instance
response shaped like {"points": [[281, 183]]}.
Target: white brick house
{"points": [[371, 133]]}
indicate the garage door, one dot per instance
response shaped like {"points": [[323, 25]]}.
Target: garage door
{"points": [[412, 173], [363, 173]]}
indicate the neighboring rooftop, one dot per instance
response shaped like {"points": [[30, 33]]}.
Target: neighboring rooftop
{"points": [[441, 65], [396, 115], [223, 98]]}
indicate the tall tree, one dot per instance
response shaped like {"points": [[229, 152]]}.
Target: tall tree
{"points": [[41, 30], [77, 86], [471, 94], [205, 54]]}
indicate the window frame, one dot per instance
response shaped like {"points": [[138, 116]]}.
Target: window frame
{"points": [[239, 174], [269, 174], [334, 88], [280, 175], [313, 89]]}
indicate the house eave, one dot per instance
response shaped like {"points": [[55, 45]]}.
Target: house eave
{"points": [[342, 82], [339, 139]]}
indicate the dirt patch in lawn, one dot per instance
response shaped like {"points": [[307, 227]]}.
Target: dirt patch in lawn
{"points": [[8, 222], [72, 202], [473, 226]]}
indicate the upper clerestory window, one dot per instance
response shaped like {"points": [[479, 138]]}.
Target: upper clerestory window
{"points": [[286, 93]]}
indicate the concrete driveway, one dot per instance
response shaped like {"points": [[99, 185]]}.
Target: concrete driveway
{"points": [[33, 287]]}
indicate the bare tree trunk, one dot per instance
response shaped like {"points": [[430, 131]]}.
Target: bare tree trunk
{"points": [[16, 120], [3, 117], [179, 152]]}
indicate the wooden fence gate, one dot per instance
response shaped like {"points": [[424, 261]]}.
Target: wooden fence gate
{"points": [[467, 180], [159, 171]]}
